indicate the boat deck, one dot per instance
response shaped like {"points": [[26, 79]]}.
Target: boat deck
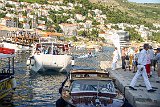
{"points": [[4, 76]]}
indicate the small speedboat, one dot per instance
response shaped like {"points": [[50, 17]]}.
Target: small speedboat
{"points": [[89, 88]]}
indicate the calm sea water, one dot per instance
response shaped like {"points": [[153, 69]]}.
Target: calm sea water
{"points": [[41, 89]]}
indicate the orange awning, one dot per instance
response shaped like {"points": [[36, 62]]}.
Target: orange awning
{"points": [[53, 34]]}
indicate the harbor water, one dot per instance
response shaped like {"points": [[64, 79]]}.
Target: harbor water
{"points": [[42, 89]]}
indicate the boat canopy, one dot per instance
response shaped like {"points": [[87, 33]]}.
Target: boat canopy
{"points": [[6, 55], [89, 74], [6, 52]]}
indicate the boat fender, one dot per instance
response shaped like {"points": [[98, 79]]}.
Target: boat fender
{"points": [[32, 61], [28, 62], [13, 82], [72, 62]]}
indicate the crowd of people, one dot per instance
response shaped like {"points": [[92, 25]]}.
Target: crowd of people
{"points": [[141, 61]]}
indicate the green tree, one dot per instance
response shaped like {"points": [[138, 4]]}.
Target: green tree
{"points": [[134, 34], [82, 33], [68, 1], [58, 28], [94, 34], [74, 38], [2, 15], [156, 37], [24, 13]]}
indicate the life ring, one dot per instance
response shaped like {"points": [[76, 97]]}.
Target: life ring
{"points": [[28, 62]]}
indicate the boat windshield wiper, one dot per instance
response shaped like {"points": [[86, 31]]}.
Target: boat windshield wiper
{"points": [[93, 87]]}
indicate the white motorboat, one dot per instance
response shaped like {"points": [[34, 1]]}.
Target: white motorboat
{"points": [[15, 46], [48, 54]]}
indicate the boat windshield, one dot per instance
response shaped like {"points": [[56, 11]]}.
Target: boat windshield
{"points": [[6, 67], [102, 86]]}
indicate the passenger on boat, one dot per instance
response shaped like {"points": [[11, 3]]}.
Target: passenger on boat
{"points": [[45, 50], [55, 50], [90, 54]]}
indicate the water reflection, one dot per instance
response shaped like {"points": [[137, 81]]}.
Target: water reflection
{"points": [[38, 89]]}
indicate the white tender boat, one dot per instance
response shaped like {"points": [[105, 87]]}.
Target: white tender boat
{"points": [[48, 54]]}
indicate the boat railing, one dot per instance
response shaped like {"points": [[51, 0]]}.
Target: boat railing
{"points": [[52, 48], [6, 68], [47, 40]]}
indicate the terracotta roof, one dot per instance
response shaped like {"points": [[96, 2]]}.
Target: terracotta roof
{"points": [[68, 24], [7, 18], [53, 34], [102, 33], [41, 25]]}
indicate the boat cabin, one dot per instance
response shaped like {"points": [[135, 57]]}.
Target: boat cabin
{"points": [[49, 45]]}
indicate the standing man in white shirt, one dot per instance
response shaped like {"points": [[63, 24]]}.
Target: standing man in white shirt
{"points": [[115, 58], [142, 60]]}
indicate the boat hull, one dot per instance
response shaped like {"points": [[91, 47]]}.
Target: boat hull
{"points": [[6, 87], [84, 103], [43, 62]]}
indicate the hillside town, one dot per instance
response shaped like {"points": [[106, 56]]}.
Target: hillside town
{"points": [[61, 18]]}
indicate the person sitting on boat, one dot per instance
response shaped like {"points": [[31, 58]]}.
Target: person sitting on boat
{"points": [[90, 54], [55, 50], [37, 51], [49, 50], [46, 51]]}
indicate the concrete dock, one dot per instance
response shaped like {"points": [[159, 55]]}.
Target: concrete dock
{"points": [[140, 97]]}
